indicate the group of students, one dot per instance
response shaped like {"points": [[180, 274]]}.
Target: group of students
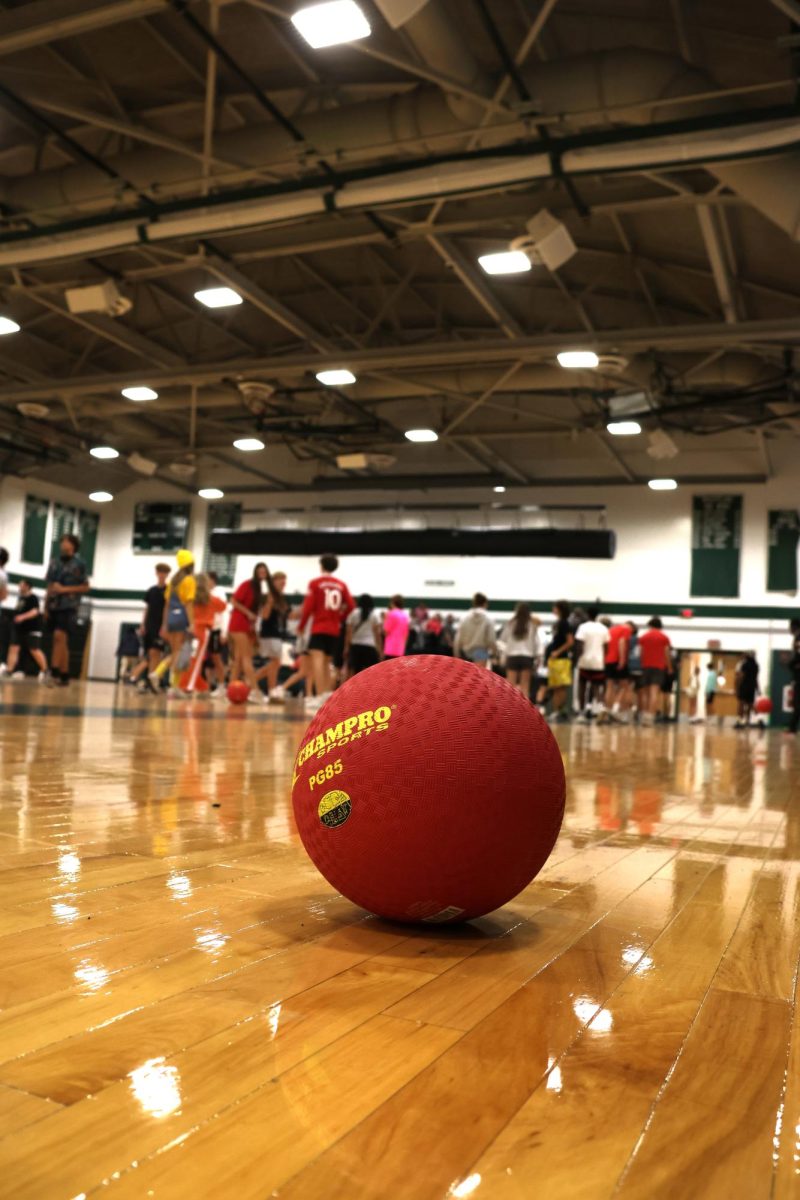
{"points": [[66, 580]]}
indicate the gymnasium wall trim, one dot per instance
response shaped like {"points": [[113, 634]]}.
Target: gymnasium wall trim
{"points": [[462, 604], [492, 543]]}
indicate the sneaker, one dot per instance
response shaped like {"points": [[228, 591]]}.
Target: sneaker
{"points": [[218, 694], [174, 693], [154, 681], [3, 670], [18, 675], [277, 695], [62, 683], [51, 681], [581, 719], [41, 677]]}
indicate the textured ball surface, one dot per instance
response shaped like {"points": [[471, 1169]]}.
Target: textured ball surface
{"points": [[763, 704], [428, 789], [238, 691]]}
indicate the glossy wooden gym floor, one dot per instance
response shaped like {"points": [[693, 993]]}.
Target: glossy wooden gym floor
{"points": [[188, 1010]]}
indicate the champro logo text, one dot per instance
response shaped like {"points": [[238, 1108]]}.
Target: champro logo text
{"points": [[349, 730]]}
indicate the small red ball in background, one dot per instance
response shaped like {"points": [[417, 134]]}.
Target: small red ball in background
{"points": [[238, 691], [428, 789], [763, 705], [687, 613]]}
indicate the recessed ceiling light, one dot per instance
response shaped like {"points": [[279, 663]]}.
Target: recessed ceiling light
{"points": [[499, 488], [104, 452], [505, 262], [623, 428], [139, 393], [8, 326], [336, 378], [210, 493], [331, 24], [422, 435], [218, 297], [100, 497], [662, 485], [575, 359], [249, 443]]}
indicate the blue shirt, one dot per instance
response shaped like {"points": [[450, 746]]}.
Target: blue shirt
{"points": [[70, 572]]}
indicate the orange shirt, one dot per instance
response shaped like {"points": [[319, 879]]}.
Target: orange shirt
{"points": [[204, 614]]}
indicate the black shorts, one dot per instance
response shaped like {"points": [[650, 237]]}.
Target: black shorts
{"points": [[746, 695], [63, 619], [592, 676], [653, 677], [616, 672], [151, 641], [215, 642], [519, 662], [667, 683], [361, 657], [27, 639], [328, 643]]}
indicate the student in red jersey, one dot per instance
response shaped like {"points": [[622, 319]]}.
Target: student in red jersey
{"points": [[246, 604], [618, 676], [655, 647], [325, 608]]}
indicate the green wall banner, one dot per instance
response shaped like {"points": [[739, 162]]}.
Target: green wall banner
{"points": [[34, 529], [783, 528], [716, 543]]}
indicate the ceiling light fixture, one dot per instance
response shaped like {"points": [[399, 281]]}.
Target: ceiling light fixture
{"points": [[338, 377], [623, 428], [139, 393], [104, 452], [8, 326], [218, 297], [248, 444], [210, 494], [100, 497], [662, 485], [331, 23], [422, 435], [499, 488], [505, 262], [574, 360]]}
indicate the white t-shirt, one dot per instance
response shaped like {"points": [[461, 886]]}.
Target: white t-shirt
{"points": [[221, 618], [3, 585], [594, 637], [364, 631], [525, 647]]}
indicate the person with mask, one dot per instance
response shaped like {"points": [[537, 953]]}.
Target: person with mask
{"points": [[66, 581]]}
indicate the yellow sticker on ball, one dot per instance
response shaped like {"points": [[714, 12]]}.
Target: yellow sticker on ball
{"points": [[334, 809]]}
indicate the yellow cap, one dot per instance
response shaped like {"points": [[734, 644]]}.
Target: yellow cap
{"points": [[184, 558]]}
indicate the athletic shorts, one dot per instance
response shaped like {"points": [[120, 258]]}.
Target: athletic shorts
{"points": [[653, 677], [747, 695], [28, 639], [152, 641], [361, 657], [477, 655], [215, 642], [668, 683], [326, 642], [63, 619], [559, 672], [519, 662], [590, 676], [616, 672], [270, 647]]}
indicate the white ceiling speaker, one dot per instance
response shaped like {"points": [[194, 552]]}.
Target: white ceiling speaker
{"points": [[548, 241], [613, 364], [183, 468], [98, 298], [626, 403], [144, 466], [661, 445], [255, 394], [30, 409]]}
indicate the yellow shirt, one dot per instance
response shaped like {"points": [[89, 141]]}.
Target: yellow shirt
{"points": [[187, 589]]}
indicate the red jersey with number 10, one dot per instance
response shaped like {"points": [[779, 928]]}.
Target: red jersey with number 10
{"points": [[327, 603]]}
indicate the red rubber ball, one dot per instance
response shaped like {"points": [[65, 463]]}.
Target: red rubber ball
{"points": [[238, 691], [428, 789], [763, 704]]}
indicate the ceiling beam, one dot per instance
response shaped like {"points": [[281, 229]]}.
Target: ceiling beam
{"points": [[538, 348], [474, 284], [719, 267], [47, 21], [267, 304]]}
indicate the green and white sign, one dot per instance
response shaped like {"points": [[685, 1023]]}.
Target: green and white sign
{"points": [[716, 545], [783, 530]]}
